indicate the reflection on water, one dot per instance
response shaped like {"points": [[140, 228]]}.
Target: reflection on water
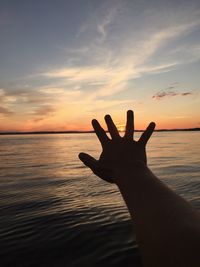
{"points": [[54, 212]]}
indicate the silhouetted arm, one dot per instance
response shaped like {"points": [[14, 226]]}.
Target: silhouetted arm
{"points": [[167, 227]]}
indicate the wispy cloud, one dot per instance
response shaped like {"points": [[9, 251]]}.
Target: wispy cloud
{"points": [[97, 24], [36, 103], [43, 112], [5, 108], [5, 111], [187, 93], [164, 94], [108, 66]]}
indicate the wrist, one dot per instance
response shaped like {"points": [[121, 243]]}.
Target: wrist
{"points": [[130, 173]]}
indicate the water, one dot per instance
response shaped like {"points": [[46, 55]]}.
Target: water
{"points": [[55, 212]]}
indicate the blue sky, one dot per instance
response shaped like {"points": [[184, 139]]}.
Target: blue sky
{"points": [[65, 62]]}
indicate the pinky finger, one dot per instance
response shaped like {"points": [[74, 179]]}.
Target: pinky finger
{"points": [[147, 134]]}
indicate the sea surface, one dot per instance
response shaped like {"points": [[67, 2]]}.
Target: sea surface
{"points": [[55, 212]]}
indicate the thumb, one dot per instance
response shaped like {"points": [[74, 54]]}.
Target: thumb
{"points": [[94, 165], [88, 160]]}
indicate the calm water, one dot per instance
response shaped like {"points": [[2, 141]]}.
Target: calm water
{"points": [[54, 212]]}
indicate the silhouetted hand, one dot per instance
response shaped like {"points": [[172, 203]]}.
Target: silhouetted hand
{"points": [[118, 152]]}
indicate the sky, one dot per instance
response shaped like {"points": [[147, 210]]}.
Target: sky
{"points": [[66, 62]]}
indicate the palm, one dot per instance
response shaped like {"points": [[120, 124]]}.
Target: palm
{"points": [[123, 150], [117, 151]]}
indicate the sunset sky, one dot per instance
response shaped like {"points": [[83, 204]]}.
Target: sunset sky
{"points": [[65, 62]]}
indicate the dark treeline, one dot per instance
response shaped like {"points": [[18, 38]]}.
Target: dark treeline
{"points": [[80, 132]]}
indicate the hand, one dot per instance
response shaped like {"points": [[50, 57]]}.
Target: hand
{"points": [[118, 152]]}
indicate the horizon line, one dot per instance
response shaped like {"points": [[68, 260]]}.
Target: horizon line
{"points": [[90, 131]]}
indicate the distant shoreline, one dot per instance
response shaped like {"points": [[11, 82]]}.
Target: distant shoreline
{"points": [[82, 132]]}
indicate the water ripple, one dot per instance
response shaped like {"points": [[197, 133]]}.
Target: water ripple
{"points": [[54, 212]]}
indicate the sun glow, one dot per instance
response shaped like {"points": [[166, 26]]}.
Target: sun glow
{"points": [[121, 127]]}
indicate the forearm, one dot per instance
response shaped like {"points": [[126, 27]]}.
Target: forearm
{"points": [[165, 223], [167, 227]]}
